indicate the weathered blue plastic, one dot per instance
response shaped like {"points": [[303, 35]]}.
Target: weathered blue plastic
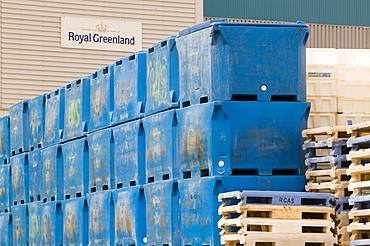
{"points": [[37, 121], [52, 224], [6, 200], [101, 218], [241, 138], [129, 87], [242, 62], [162, 213], [101, 98], [35, 174], [283, 198], [343, 205], [363, 141], [54, 117], [160, 146], [76, 168], [101, 163], [162, 75], [6, 228], [20, 178], [19, 128], [130, 220], [129, 154], [75, 221], [199, 202], [20, 225], [77, 108], [360, 202], [339, 161], [4, 140], [35, 223], [52, 174], [360, 242], [336, 148]]}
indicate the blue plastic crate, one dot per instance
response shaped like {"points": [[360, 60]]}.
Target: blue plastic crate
{"points": [[101, 167], [76, 168], [129, 154], [6, 200], [241, 138], [4, 140], [130, 221], [162, 213], [35, 175], [129, 87], [199, 202], [35, 223], [242, 62], [77, 108], [20, 225], [52, 174], [19, 128], [52, 224], [54, 117], [6, 228], [101, 98], [160, 146], [101, 218], [20, 178], [162, 77], [37, 121], [75, 221]]}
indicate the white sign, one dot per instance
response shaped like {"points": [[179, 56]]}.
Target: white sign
{"points": [[84, 33]]}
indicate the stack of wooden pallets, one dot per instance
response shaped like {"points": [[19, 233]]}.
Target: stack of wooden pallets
{"points": [[266, 218]]}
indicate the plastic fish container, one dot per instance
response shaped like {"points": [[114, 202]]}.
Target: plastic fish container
{"points": [[37, 121], [20, 178], [19, 128]]}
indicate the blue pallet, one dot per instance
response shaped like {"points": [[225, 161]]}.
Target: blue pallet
{"points": [[199, 202], [129, 87], [101, 218], [6, 228], [52, 224], [359, 142], [337, 147], [160, 146], [6, 200], [101, 98], [20, 225], [162, 213], [20, 178], [130, 221], [252, 197], [101, 163], [35, 222], [129, 154], [342, 205], [360, 202], [19, 128], [76, 168], [241, 138], [37, 122], [77, 108], [218, 62], [35, 175], [360, 242], [4, 140], [339, 161], [75, 221], [52, 174], [162, 88], [54, 117]]}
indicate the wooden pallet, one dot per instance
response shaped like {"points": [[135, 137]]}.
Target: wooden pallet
{"points": [[359, 130], [344, 237], [359, 230], [358, 155], [330, 133]]}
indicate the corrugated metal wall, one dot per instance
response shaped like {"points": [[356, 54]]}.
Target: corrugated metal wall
{"points": [[331, 12], [327, 36], [32, 60]]}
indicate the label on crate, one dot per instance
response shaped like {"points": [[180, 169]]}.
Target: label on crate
{"points": [[313, 74], [286, 200], [102, 34]]}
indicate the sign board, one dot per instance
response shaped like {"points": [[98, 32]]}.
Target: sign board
{"points": [[102, 34]]}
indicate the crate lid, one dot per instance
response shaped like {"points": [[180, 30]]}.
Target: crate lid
{"points": [[226, 23]]}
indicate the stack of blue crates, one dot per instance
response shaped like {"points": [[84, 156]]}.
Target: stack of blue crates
{"points": [[137, 153]]}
